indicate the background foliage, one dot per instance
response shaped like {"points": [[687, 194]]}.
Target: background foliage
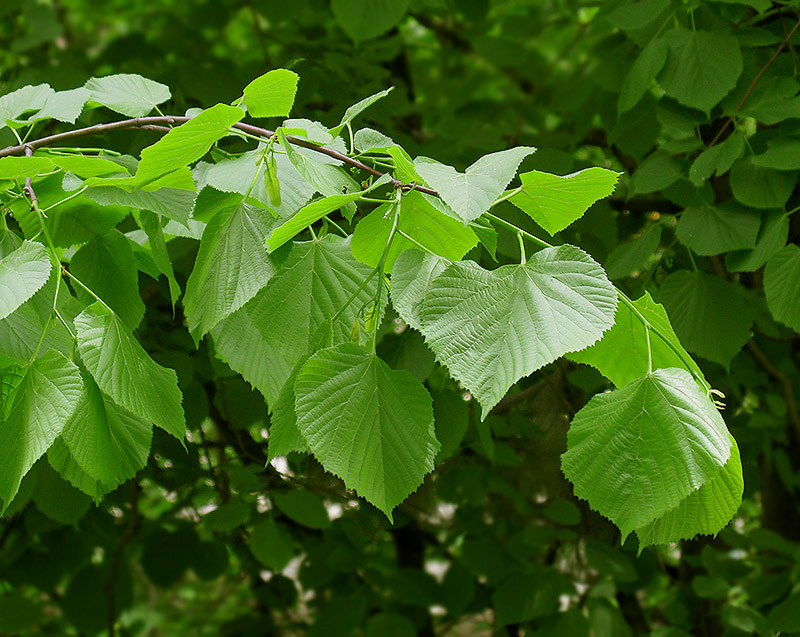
{"points": [[695, 102]]}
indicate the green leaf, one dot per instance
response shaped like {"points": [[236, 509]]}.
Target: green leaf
{"points": [[782, 154], [629, 257], [271, 544], [284, 436], [412, 276], [271, 94], [771, 238], [171, 203], [27, 98], [65, 106], [312, 285], [127, 93], [422, 221], [716, 159], [158, 249], [621, 355], [709, 229], [698, 305], [555, 201], [761, 187], [22, 273], [107, 266], [642, 74], [362, 21], [60, 458], [491, 328], [87, 165], [21, 167], [125, 372], [356, 109], [109, 443], [637, 452], [58, 499], [702, 66], [35, 409], [304, 508], [782, 286], [232, 265], [366, 423], [472, 193], [703, 512], [659, 170], [186, 143]]}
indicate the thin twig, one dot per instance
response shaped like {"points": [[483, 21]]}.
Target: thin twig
{"points": [[158, 122], [753, 84]]}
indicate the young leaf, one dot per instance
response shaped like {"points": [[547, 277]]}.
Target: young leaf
{"points": [[782, 286], [22, 273], [22, 167], [369, 425], [621, 355], [36, 406], [271, 94], [356, 109], [491, 328], [637, 452], [186, 143], [472, 193], [555, 201], [232, 265], [127, 93], [703, 512], [124, 371], [109, 443]]}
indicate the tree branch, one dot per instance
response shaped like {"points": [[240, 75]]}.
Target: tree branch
{"points": [[159, 122]]}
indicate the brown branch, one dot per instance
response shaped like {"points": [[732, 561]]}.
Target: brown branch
{"points": [[159, 122], [753, 84], [28, 189], [783, 379]]}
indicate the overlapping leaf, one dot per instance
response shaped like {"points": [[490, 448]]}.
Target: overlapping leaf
{"points": [[782, 286], [412, 275], [22, 273]]}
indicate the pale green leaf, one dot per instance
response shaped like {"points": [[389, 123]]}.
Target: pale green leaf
{"points": [[420, 224], [109, 443], [710, 229], [629, 257], [642, 74], [42, 401], [127, 93], [186, 143], [364, 21], [320, 171], [125, 372], [761, 187], [284, 436], [702, 66], [555, 201], [412, 276], [107, 266], [771, 238], [356, 109], [782, 154], [493, 327], [703, 512], [87, 165], [637, 452], [271, 94], [21, 167], [60, 458], [171, 203], [22, 273], [232, 265], [782, 286], [65, 106], [366, 423], [472, 193], [621, 355], [27, 98], [158, 249], [698, 304]]}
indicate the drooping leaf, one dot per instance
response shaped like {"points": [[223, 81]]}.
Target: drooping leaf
{"points": [[642, 74], [412, 275], [186, 143], [471, 193], [621, 355], [637, 452], [109, 443], [271, 94], [491, 328], [35, 409], [124, 371], [782, 286], [127, 93], [22, 273], [703, 512], [60, 458], [421, 221], [702, 66], [366, 21], [107, 266], [697, 304], [369, 425], [710, 229], [158, 249], [232, 265], [555, 201], [284, 435]]}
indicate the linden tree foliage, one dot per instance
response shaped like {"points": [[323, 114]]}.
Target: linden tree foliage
{"points": [[399, 317]]}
